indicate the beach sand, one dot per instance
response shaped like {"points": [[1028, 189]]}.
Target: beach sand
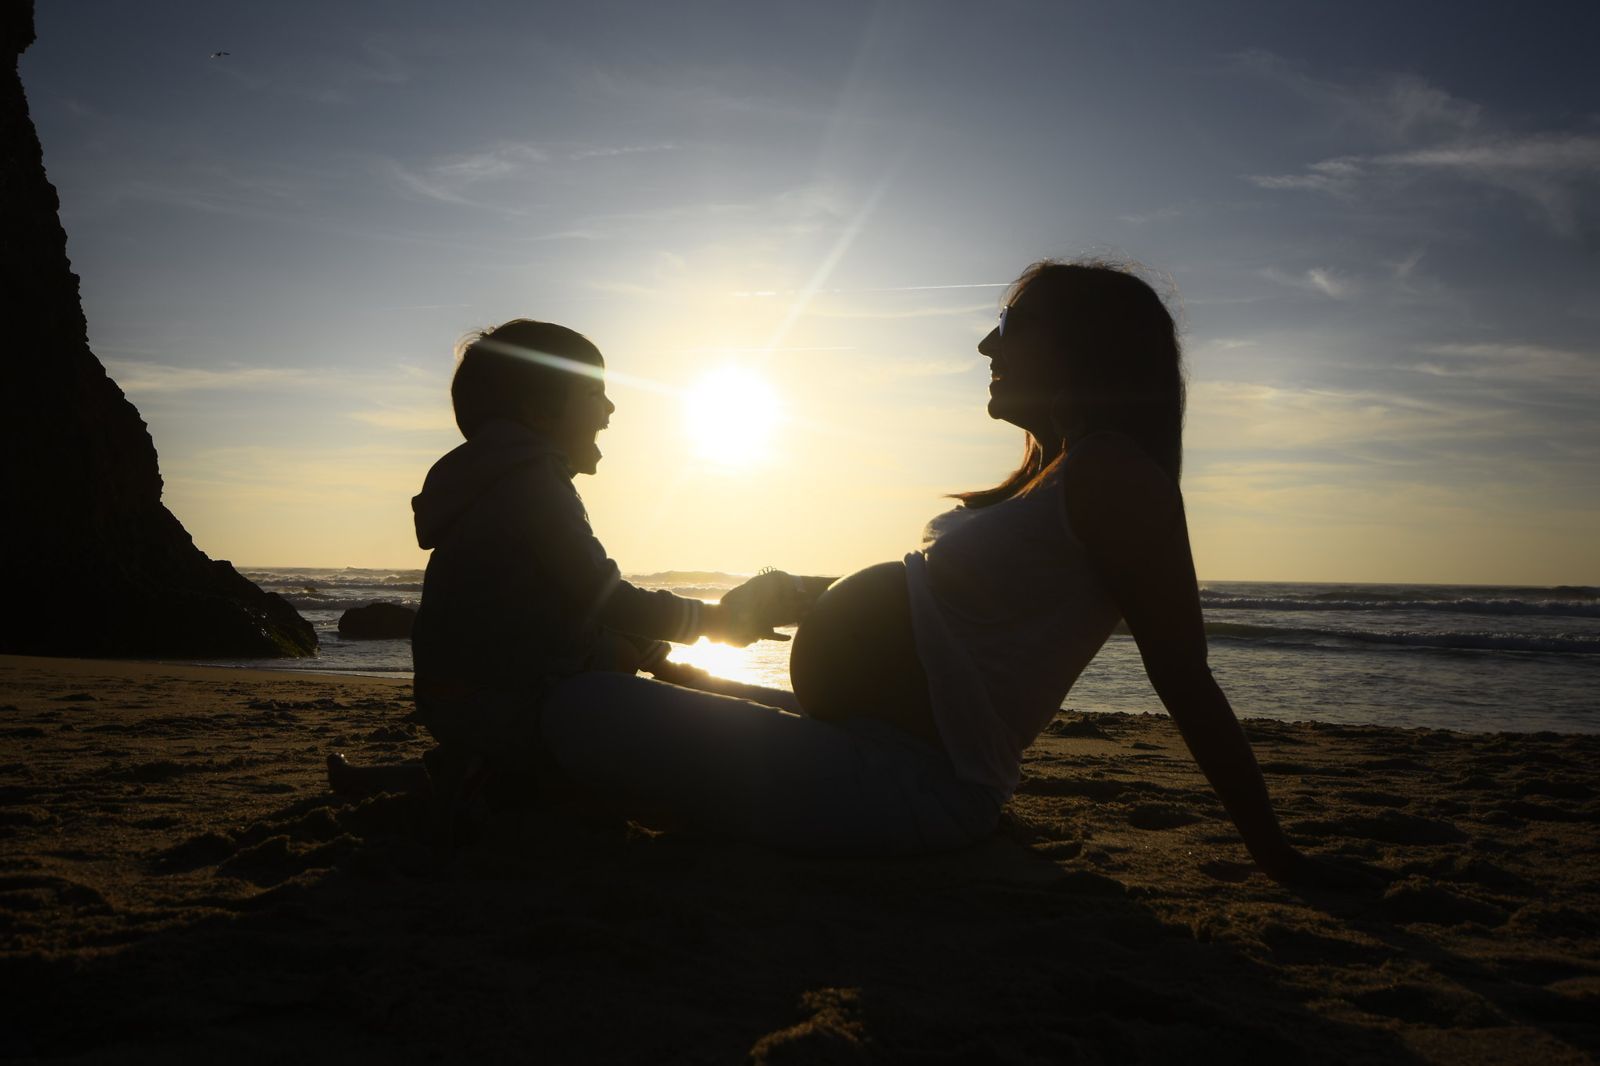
{"points": [[177, 882]]}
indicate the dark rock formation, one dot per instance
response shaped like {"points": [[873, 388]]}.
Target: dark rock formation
{"points": [[95, 565], [377, 621]]}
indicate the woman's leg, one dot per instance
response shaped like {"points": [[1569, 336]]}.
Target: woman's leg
{"points": [[756, 773], [686, 676]]}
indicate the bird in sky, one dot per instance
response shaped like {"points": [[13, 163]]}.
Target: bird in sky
{"points": [[219, 55]]}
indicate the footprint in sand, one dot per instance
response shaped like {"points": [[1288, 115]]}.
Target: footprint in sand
{"points": [[1161, 816], [1371, 798], [1232, 873]]}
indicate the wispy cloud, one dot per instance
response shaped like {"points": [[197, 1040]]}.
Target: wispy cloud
{"points": [[1324, 280], [1394, 108], [417, 417], [1337, 177], [746, 349], [605, 152], [1245, 416], [1144, 218], [1409, 129], [399, 398], [1227, 344], [884, 288], [1530, 364], [460, 179], [1547, 168], [281, 475], [908, 312], [880, 370], [138, 378]]}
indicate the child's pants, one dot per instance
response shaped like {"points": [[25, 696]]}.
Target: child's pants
{"points": [[752, 772]]}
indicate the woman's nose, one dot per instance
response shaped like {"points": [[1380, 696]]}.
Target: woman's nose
{"points": [[986, 346]]}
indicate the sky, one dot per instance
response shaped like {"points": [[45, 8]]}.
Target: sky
{"points": [[1377, 224]]}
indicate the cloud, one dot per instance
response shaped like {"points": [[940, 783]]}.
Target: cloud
{"points": [[1577, 154], [601, 152], [882, 370], [1554, 172], [1397, 426], [1529, 364], [256, 475], [1394, 108], [1268, 419], [1335, 176], [1402, 269], [401, 398], [457, 179], [1160, 214], [883, 288], [1324, 280], [1414, 130], [425, 417], [912, 312], [138, 378]]}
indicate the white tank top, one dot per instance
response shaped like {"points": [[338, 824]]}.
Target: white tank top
{"points": [[1007, 612]]}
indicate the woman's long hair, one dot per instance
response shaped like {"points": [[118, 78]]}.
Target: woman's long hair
{"points": [[1122, 368]]}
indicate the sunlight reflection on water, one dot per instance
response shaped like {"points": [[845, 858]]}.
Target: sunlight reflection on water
{"points": [[765, 662]]}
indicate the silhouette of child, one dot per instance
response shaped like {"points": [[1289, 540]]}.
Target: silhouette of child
{"points": [[518, 592]]}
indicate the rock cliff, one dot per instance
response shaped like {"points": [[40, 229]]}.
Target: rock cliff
{"points": [[95, 564]]}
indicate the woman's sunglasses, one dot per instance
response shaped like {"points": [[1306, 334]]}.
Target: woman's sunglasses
{"points": [[1005, 314]]}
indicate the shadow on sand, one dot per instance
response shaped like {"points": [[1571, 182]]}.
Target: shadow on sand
{"points": [[554, 937]]}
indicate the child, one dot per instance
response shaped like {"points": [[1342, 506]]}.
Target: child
{"points": [[518, 592]]}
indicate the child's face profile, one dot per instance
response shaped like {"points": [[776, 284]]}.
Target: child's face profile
{"points": [[587, 412]]}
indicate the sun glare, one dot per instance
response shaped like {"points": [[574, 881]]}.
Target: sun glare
{"points": [[719, 659], [730, 415]]}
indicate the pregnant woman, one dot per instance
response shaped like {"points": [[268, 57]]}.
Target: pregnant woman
{"points": [[921, 682]]}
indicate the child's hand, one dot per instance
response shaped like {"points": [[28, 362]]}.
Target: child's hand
{"points": [[751, 611]]}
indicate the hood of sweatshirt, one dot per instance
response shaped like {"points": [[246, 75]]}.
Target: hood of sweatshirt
{"points": [[457, 480]]}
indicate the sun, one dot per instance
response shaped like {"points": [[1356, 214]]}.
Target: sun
{"points": [[730, 415]]}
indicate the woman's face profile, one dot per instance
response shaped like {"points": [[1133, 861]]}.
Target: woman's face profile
{"points": [[1024, 367]]}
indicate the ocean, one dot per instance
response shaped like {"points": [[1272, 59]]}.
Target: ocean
{"points": [[1471, 658]]}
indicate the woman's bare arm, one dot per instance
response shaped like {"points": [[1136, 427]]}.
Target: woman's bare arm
{"points": [[1129, 515]]}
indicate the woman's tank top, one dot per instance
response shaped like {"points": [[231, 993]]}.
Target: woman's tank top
{"points": [[1007, 612]]}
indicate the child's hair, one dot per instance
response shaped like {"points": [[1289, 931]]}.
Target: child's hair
{"points": [[517, 369]]}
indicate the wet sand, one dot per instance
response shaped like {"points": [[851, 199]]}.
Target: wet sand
{"points": [[177, 882]]}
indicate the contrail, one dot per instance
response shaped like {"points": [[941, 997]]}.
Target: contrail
{"points": [[761, 348], [883, 288]]}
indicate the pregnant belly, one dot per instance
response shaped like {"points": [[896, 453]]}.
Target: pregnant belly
{"points": [[855, 655]]}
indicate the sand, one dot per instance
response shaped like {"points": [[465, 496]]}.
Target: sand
{"points": [[177, 882]]}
